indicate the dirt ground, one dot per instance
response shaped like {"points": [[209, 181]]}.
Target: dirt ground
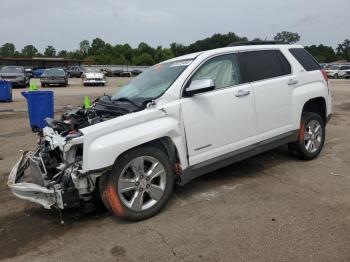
{"points": [[271, 207]]}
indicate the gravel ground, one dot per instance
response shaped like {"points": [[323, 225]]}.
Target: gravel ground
{"points": [[271, 207]]}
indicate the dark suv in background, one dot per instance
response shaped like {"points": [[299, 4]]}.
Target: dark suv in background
{"points": [[74, 71], [16, 75]]}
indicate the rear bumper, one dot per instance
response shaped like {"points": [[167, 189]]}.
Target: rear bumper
{"points": [[93, 82], [34, 191]]}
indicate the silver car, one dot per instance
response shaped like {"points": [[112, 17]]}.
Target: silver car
{"points": [[16, 75], [54, 76]]}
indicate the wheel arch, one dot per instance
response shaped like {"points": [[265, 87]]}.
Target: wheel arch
{"points": [[316, 105]]}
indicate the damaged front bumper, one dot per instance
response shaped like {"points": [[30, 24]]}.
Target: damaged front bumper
{"points": [[32, 188], [52, 175]]}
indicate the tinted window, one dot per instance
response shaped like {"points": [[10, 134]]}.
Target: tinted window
{"points": [[345, 67], [223, 70], [265, 64], [305, 59]]}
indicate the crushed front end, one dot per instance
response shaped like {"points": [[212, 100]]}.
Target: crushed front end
{"points": [[52, 175]]}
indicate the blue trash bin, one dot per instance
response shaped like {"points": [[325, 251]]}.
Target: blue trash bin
{"points": [[5, 91], [40, 106]]}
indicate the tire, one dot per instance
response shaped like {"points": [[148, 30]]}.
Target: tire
{"points": [[43, 85], [310, 141], [152, 192], [335, 76], [68, 75]]}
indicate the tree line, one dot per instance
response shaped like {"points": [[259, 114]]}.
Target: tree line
{"points": [[100, 52]]}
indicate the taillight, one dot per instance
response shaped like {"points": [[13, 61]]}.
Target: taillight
{"points": [[325, 76]]}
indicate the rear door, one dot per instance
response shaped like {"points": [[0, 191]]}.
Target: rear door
{"points": [[222, 120], [272, 80]]}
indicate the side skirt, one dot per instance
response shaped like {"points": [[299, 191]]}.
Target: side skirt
{"points": [[210, 165]]}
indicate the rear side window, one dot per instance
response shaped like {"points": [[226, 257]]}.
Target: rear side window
{"points": [[265, 64], [305, 59]]}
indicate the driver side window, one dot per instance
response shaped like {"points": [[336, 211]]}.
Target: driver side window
{"points": [[223, 70]]}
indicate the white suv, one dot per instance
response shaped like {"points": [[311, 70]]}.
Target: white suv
{"points": [[176, 121], [337, 71]]}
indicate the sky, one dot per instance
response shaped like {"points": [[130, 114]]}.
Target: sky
{"points": [[64, 23]]}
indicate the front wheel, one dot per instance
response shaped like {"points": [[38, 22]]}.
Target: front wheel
{"points": [[311, 137], [139, 185], [336, 76]]}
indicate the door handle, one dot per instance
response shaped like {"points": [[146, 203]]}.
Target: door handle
{"points": [[242, 93], [292, 82]]}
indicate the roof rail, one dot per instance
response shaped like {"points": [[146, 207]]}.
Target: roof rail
{"points": [[258, 43]]}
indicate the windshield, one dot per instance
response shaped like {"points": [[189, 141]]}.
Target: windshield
{"points": [[92, 70], [10, 69], [54, 72], [153, 82]]}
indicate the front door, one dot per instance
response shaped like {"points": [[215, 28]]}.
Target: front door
{"points": [[223, 120]]}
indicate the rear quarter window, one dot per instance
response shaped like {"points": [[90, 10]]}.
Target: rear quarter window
{"points": [[305, 59], [265, 64]]}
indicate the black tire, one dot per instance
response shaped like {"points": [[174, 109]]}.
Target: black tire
{"points": [[108, 185], [298, 148], [335, 76], [68, 75], [43, 85]]}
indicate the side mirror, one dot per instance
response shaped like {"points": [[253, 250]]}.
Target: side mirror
{"points": [[199, 86]]}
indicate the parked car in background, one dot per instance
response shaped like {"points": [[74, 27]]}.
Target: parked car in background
{"points": [[117, 72], [337, 71], [38, 71], [347, 74], [75, 71], [106, 72], [93, 76], [54, 76], [16, 75], [29, 72], [136, 72], [176, 121]]}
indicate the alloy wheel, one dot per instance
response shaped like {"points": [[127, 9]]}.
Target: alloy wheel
{"points": [[141, 183], [313, 136]]}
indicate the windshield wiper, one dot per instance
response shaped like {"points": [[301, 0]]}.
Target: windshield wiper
{"points": [[125, 99]]}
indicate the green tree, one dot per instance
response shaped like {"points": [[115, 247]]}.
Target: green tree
{"points": [[8, 50], [29, 51], [97, 46], [84, 47], [323, 54], [62, 53], [343, 50], [288, 37], [178, 49], [162, 54], [144, 59], [50, 51]]}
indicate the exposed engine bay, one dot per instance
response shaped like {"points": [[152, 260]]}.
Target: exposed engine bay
{"points": [[102, 109], [52, 174]]}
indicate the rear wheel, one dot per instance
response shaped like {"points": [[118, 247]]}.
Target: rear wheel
{"points": [[43, 85], [311, 137], [139, 185]]}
